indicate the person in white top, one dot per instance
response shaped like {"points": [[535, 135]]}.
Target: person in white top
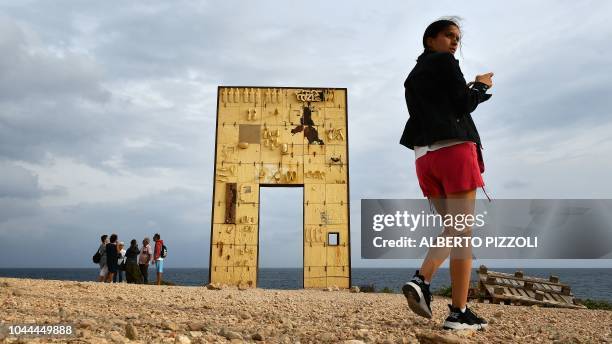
{"points": [[118, 277], [145, 258]]}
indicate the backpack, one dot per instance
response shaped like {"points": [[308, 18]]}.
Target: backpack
{"points": [[164, 251], [97, 257]]}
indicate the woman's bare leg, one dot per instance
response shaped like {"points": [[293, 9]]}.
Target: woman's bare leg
{"points": [[437, 255], [461, 267]]}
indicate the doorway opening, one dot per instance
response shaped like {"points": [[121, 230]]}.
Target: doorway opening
{"points": [[281, 237]]}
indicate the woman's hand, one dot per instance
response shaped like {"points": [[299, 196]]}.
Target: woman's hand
{"points": [[485, 79]]}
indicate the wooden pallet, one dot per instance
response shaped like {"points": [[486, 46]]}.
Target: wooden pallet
{"points": [[517, 289]]}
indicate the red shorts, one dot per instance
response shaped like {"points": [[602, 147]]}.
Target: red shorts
{"points": [[449, 170]]}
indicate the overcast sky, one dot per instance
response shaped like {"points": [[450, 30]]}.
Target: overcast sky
{"points": [[107, 111]]}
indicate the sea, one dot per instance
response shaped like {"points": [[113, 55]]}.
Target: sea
{"points": [[595, 284]]}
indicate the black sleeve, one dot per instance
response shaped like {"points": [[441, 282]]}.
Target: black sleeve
{"points": [[464, 99]]}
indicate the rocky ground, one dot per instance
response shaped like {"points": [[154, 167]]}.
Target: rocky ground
{"points": [[122, 313]]}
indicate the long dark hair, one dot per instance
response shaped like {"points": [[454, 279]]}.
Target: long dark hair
{"points": [[438, 26]]}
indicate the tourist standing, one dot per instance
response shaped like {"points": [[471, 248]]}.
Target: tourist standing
{"points": [[146, 257], [111, 258], [102, 263], [159, 257], [120, 262], [132, 271]]}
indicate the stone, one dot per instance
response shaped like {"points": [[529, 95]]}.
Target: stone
{"points": [[244, 315], [498, 314], [354, 289], [465, 333], [197, 326], [131, 332], [326, 337], [120, 322], [257, 337], [116, 337], [87, 323], [353, 341], [229, 335], [436, 338], [195, 334], [182, 339], [169, 325], [17, 293], [362, 333], [84, 333], [214, 286]]}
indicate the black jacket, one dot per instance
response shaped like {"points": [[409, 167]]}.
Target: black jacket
{"points": [[132, 254], [112, 256], [439, 102]]}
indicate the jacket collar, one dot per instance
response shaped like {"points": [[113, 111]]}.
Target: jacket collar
{"points": [[425, 53]]}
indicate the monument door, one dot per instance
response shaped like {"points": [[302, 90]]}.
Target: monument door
{"points": [[286, 137]]}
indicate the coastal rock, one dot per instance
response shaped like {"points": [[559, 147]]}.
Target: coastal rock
{"points": [[182, 339], [229, 334], [120, 322], [169, 325], [197, 326], [116, 337], [214, 286], [84, 333], [326, 337], [195, 334], [131, 332], [87, 323], [436, 338]]}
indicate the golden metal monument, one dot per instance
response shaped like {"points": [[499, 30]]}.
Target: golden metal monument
{"points": [[287, 137]]}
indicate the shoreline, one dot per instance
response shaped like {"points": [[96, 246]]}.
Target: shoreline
{"points": [[190, 314]]}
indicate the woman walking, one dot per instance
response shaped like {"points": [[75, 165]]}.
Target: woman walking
{"points": [[449, 162]]}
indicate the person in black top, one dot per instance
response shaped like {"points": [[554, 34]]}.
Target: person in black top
{"points": [[112, 258], [449, 161], [132, 270]]}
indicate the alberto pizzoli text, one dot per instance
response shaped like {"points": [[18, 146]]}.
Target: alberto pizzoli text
{"points": [[450, 242]]}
